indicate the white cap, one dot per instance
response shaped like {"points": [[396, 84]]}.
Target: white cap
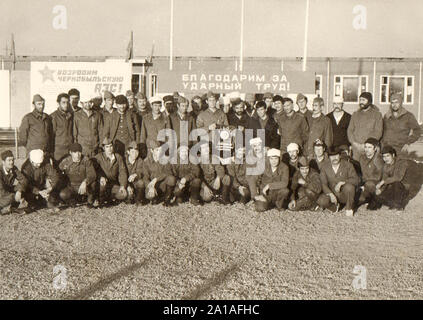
{"points": [[155, 99], [273, 153], [36, 156], [234, 95], [292, 146], [255, 141], [338, 100]]}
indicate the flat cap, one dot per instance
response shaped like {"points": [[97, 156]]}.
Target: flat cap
{"points": [[372, 141], [300, 96], [278, 98], [167, 99], [75, 147], [106, 141], [140, 95], [181, 99], [6, 154], [319, 143], [368, 96], [273, 152], [303, 162], [129, 93], [37, 98], [155, 99], [318, 100], [333, 151], [267, 95], [388, 149], [210, 94], [108, 95], [396, 96]]}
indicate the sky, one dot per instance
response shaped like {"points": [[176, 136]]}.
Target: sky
{"points": [[273, 28]]}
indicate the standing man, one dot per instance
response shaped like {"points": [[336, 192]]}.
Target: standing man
{"points": [[169, 105], [36, 130], [277, 106], [400, 126], [74, 100], [152, 124], [80, 177], [292, 127], [365, 123], [112, 173], [211, 118], [320, 127], [132, 104], [86, 128], [274, 183], [339, 183], [250, 100], [260, 120], [143, 105], [340, 121], [182, 122], [268, 99], [12, 184], [62, 121], [302, 107], [121, 126]]}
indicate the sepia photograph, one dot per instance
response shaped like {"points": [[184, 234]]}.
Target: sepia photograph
{"points": [[228, 152]]}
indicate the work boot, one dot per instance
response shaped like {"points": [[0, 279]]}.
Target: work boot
{"points": [[195, 196], [168, 197], [140, 198], [225, 195]]}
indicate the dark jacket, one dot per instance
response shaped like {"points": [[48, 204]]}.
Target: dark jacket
{"points": [[135, 168], [62, 133], [365, 124], [175, 123], [86, 131], [292, 129], [114, 171], [156, 170], [150, 127], [312, 180], [111, 126], [400, 131], [396, 172], [76, 173], [340, 130], [36, 132], [330, 179], [7, 181], [371, 169], [37, 177], [188, 171], [276, 180], [320, 128], [272, 139]]}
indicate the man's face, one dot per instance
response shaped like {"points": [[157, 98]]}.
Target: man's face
{"points": [[108, 103], [76, 156], [338, 106], [39, 106], [302, 104], [363, 103], [335, 159], [87, 105], [183, 153], [250, 101], [64, 104], [278, 106], [211, 102], [239, 109], [133, 153], [388, 158], [74, 100], [274, 161], [9, 163], [183, 108], [317, 107], [36, 164], [319, 151], [142, 103], [131, 100], [369, 150], [269, 102], [108, 148], [261, 112], [304, 171], [258, 148], [288, 107], [155, 107], [396, 104], [169, 106], [293, 154], [121, 107]]}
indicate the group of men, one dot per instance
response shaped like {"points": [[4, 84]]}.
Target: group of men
{"points": [[107, 149]]}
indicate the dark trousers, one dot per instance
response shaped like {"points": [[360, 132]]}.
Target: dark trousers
{"points": [[112, 191], [368, 192], [306, 199], [70, 192], [275, 198], [189, 189], [346, 196], [394, 196]]}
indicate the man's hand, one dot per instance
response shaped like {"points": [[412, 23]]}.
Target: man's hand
{"points": [[405, 148], [333, 198], [18, 196], [122, 189], [378, 191], [216, 183], [212, 126], [151, 193], [266, 189], [130, 190], [152, 183], [132, 177], [103, 181], [292, 205], [241, 190], [183, 181], [339, 186], [301, 181], [380, 184], [44, 193], [15, 182], [83, 187]]}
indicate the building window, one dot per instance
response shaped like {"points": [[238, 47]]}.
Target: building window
{"points": [[154, 85], [397, 84], [350, 87], [318, 85], [138, 83]]}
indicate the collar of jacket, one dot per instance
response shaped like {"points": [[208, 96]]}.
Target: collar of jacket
{"points": [[39, 115], [67, 114], [401, 112]]}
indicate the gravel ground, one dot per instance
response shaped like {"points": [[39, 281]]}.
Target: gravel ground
{"points": [[211, 252]]}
